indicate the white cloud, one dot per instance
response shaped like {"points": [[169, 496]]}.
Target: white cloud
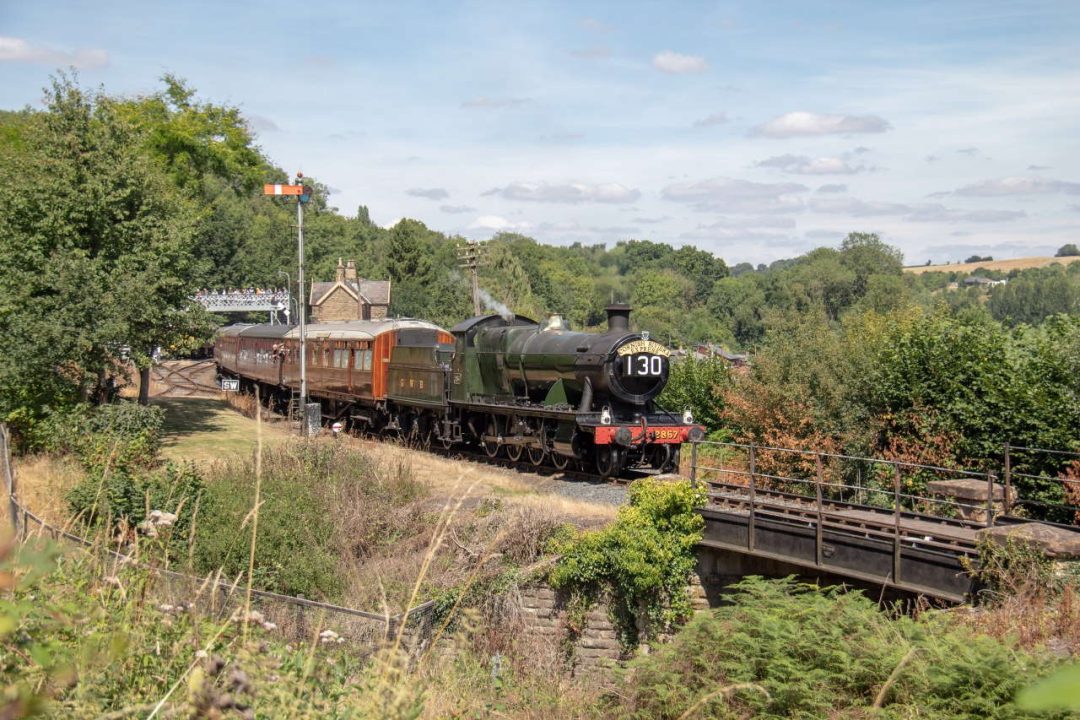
{"points": [[710, 120], [795, 124], [677, 64], [429, 193], [756, 221], [498, 223], [489, 103], [14, 49], [940, 213], [714, 232], [652, 220], [1019, 186], [803, 165], [567, 192], [926, 212], [832, 188], [260, 123], [858, 208], [823, 234], [456, 209], [737, 196]]}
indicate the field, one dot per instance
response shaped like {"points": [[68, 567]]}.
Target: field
{"points": [[1001, 265]]}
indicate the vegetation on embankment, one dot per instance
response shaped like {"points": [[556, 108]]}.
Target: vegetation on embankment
{"points": [[84, 636]]}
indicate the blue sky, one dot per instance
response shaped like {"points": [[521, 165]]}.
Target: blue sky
{"points": [[754, 130]]}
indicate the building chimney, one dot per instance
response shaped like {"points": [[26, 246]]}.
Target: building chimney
{"points": [[618, 318], [350, 271], [339, 272]]}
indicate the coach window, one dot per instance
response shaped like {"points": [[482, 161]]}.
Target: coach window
{"points": [[367, 361]]}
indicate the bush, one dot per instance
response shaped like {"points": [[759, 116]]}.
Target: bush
{"points": [[783, 649], [322, 506], [120, 436], [641, 562], [126, 497]]}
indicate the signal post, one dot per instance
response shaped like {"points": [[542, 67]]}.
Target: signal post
{"points": [[311, 420]]}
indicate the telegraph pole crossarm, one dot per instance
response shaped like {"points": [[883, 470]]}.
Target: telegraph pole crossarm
{"points": [[470, 256]]}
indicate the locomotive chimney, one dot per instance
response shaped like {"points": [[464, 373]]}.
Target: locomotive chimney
{"points": [[618, 318]]}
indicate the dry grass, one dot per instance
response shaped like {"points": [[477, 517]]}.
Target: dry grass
{"points": [[441, 475], [1002, 265], [1032, 619], [42, 485]]}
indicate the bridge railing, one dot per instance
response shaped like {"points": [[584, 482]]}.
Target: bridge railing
{"points": [[822, 497], [1042, 492], [967, 496]]}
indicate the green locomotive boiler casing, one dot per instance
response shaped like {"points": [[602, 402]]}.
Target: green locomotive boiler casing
{"points": [[522, 361]]}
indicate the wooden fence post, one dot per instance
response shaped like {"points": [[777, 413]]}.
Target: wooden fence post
{"points": [[9, 477]]}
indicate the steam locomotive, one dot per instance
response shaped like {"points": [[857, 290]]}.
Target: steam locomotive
{"points": [[536, 392]]}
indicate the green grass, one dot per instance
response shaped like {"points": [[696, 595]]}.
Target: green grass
{"points": [[208, 429]]}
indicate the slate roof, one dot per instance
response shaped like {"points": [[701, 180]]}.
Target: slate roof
{"points": [[376, 292]]}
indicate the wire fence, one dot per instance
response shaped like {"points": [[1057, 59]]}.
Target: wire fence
{"points": [[294, 617]]}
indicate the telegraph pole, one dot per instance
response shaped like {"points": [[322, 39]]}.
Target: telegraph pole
{"points": [[471, 256], [303, 195]]}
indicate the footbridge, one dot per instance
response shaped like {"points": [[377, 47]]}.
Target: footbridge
{"points": [[249, 300], [899, 528]]}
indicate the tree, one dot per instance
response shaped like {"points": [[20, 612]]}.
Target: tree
{"points": [[1035, 295], [865, 254], [1068, 250], [98, 255]]}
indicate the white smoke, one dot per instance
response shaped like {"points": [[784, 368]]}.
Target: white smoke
{"points": [[495, 306]]}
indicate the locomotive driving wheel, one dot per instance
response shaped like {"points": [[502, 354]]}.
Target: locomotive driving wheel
{"points": [[559, 460], [491, 447], [609, 460], [514, 452], [536, 455]]}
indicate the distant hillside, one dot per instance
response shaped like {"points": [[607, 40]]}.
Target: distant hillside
{"points": [[1003, 265]]}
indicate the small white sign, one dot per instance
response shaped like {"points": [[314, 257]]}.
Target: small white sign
{"points": [[230, 384], [337, 427]]}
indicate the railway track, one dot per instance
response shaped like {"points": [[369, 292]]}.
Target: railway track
{"points": [[180, 379]]}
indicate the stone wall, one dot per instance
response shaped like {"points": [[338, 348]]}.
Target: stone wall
{"points": [[544, 617], [339, 306]]}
